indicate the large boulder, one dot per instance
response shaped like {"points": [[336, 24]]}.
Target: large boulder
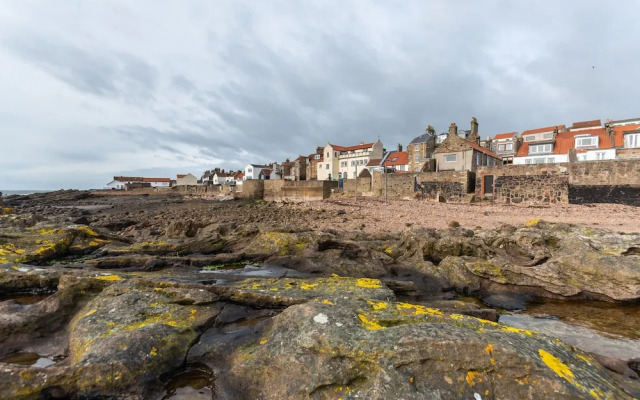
{"points": [[383, 350]]}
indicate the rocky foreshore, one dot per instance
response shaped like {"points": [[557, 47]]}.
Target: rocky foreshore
{"points": [[167, 296]]}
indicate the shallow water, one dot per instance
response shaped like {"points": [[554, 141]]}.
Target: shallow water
{"points": [[32, 359], [604, 328], [195, 382]]}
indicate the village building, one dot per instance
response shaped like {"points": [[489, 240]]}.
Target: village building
{"points": [[252, 171], [238, 177], [505, 145], [420, 151], [120, 182], [158, 182], [396, 160], [221, 177], [341, 162], [300, 169], [538, 146], [458, 154], [287, 170], [626, 134], [186, 180], [312, 164]]}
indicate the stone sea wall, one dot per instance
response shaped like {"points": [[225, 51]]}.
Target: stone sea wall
{"points": [[452, 186], [615, 181]]}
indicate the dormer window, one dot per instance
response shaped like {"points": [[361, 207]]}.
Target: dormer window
{"points": [[548, 135], [586, 141], [529, 138], [541, 148], [632, 140]]}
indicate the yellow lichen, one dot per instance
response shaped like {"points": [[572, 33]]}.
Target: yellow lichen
{"points": [[110, 278], [473, 378], [516, 330], [418, 309], [263, 341], [368, 324], [153, 352], [325, 301], [308, 286], [377, 305], [91, 312], [369, 283], [557, 366], [533, 222], [489, 348]]}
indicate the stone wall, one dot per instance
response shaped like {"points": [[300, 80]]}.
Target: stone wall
{"points": [[251, 189], [612, 181], [349, 185], [278, 190], [452, 186]]}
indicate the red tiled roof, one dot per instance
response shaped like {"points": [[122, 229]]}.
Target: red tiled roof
{"points": [[266, 171], [181, 175], [596, 123], [565, 141], [156, 179], [619, 133], [483, 150], [547, 129], [373, 163], [128, 178], [349, 148], [238, 175], [505, 136], [402, 158]]}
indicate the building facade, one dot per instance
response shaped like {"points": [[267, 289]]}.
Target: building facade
{"points": [[341, 162], [420, 151]]}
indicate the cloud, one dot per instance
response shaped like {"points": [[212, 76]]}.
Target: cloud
{"points": [[92, 90]]}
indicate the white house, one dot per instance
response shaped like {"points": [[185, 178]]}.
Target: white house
{"points": [[220, 178], [119, 182], [252, 171], [186, 180], [347, 161], [158, 182]]}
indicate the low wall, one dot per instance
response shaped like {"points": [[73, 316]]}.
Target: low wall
{"points": [[612, 181], [251, 189], [349, 185], [451, 185], [278, 190]]}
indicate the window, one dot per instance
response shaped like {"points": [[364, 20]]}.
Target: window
{"points": [[538, 161], [502, 147], [529, 138], [417, 147], [528, 161], [551, 160], [319, 166], [478, 159], [250, 170], [339, 175], [328, 154], [353, 163], [548, 135], [509, 146], [600, 155], [316, 157], [586, 141], [336, 154], [327, 166], [343, 163], [540, 148], [451, 158], [632, 140], [416, 157], [394, 159]]}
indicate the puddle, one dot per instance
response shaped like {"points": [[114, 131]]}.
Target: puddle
{"points": [[584, 338], [31, 359], [252, 271], [604, 328], [25, 298], [195, 382]]}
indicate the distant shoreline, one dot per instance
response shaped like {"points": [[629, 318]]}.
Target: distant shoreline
{"points": [[6, 193]]}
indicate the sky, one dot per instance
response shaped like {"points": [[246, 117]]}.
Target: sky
{"points": [[90, 89]]}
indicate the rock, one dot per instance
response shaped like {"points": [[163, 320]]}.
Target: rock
{"points": [[507, 301], [616, 365], [81, 221], [382, 350]]}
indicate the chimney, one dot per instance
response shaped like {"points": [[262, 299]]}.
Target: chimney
{"points": [[453, 130], [361, 143], [399, 147], [611, 132], [319, 150], [430, 130], [474, 126]]}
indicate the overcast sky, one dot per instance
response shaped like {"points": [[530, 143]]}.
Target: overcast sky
{"points": [[93, 89]]}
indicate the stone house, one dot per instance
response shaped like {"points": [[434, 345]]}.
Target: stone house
{"points": [[347, 161], [312, 164], [286, 169], [300, 168], [458, 154], [505, 145], [252, 171], [420, 151], [186, 180]]}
